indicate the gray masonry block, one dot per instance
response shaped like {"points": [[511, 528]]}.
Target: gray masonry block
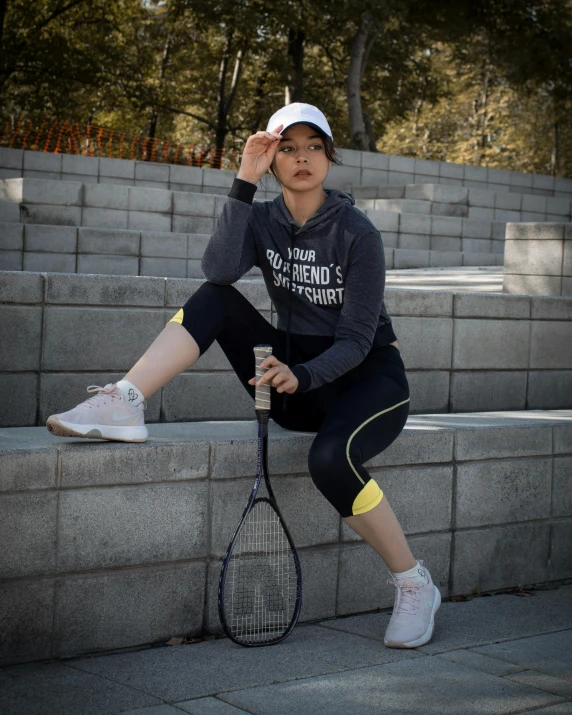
{"points": [[185, 204], [43, 175], [481, 305], [511, 202], [500, 557], [9, 212], [554, 333], [407, 258], [49, 214], [532, 285], [28, 534], [164, 245], [132, 525], [10, 173], [498, 176], [192, 224], [167, 267], [27, 620], [20, 335], [197, 245], [423, 166], [536, 231], [196, 396], [529, 216], [106, 196], [55, 193], [476, 245], [148, 171], [451, 171], [533, 203], [390, 239], [341, 175], [476, 229], [476, 173], [374, 176], [192, 175], [402, 164], [42, 161], [320, 569], [16, 287], [194, 269], [179, 291], [447, 244], [11, 237], [543, 308], [105, 290], [482, 198], [567, 260], [482, 214], [533, 257], [503, 215], [107, 241], [27, 467], [117, 168], [498, 229], [413, 223], [562, 495], [491, 344], [171, 605], [561, 552], [520, 179], [20, 412], [384, 220], [152, 200], [488, 390], [414, 241], [431, 347], [49, 262], [84, 178], [72, 337], [109, 265], [540, 181], [11, 158], [53, 239], [518, 490], [11, 260], [373, 160], [445, 258], [73, 164], [216, 177], [146, 221], [429, 391]]}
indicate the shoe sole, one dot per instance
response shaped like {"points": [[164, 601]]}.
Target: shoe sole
{"points": [[107, 432], [426, 637]]}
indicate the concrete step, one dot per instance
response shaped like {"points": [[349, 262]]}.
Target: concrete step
{"points": [[468, 202], [463, 351], [71, 249], [116, 530], [358, 168]]}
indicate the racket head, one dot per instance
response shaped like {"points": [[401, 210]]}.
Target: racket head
{"points": [[260, 588]]}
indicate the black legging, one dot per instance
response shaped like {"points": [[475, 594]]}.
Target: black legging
{"points": [[356, 416]]}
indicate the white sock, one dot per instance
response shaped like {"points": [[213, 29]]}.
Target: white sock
{"points": [[132, 394], [412, 574]]}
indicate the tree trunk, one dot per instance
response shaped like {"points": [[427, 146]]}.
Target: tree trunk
{"points": [[295, 87], [225, 101], [361, 48], [555, 148]]}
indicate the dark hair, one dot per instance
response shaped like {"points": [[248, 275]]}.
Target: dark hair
{"points": [[329, 150]]}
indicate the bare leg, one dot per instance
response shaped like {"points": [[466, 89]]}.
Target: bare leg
{"points": [[173, 351], [380, 528]]}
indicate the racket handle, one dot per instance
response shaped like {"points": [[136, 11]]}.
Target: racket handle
{"points": [[262, 392]]}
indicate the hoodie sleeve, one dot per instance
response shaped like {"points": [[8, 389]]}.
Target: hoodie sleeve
{"points": [[356, 328], [231, 250]]}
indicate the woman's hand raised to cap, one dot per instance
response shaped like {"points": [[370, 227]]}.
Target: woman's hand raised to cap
{"points": [[258, 155]]}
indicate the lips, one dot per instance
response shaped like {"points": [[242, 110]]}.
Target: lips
{"points": [[304, 172]]}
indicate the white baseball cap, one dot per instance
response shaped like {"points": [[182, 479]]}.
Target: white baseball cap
{"points": [[296, 113]]}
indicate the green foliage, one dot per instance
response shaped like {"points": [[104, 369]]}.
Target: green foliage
{"points": [[484, 82]]}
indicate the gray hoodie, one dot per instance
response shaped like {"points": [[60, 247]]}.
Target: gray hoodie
{"points": [[338, 269]]}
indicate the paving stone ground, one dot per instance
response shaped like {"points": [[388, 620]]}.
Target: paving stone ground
{"points": [[496, 654]]}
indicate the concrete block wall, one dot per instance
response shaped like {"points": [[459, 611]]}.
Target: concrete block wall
{"points": [[156, 520], [538, 259], [364, 168], [463, 352], [477, 204]]}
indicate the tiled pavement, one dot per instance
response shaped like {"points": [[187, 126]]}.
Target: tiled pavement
{"points": [[504, 653]]}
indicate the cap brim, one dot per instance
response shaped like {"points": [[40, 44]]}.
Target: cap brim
{"points": [[302, 121]]}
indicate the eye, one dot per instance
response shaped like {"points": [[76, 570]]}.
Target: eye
{"points": [[312, 146]]}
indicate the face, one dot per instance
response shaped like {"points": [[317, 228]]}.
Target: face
{"points": [[301, 149]]}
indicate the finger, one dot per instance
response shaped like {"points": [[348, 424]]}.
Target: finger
{"points": [[270, 360], [268, 375]]}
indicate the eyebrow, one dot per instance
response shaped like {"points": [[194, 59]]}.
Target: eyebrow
{"points": [[287, 139]]}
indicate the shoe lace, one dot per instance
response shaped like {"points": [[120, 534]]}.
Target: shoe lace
{"points": [[102, 393], [407, 597]]}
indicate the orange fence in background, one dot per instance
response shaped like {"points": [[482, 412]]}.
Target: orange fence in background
{"points": [[71, 138]]}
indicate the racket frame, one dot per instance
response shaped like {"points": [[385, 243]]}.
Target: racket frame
{"points": [[262, 408]]}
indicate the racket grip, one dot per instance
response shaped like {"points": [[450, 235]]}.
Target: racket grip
{"points": [[262, 392]]}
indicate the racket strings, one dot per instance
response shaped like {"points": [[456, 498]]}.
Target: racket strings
{"points": [[261, 584]]}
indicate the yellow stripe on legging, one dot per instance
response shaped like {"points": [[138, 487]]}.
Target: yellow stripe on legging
{"points": [[368, 497], [361, 427], [178, 318]]}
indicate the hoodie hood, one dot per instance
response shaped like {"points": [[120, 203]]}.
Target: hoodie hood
{"points": [[335, 201]]}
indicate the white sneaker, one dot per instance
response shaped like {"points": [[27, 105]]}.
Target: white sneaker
{"points": [[413, 618], [106, 415]]}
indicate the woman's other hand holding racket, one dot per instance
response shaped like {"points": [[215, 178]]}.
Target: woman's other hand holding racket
{"points": [[258, 155], [278, 375]]}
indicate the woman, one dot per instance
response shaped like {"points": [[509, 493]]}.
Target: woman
{"points": [[335, 363]]}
